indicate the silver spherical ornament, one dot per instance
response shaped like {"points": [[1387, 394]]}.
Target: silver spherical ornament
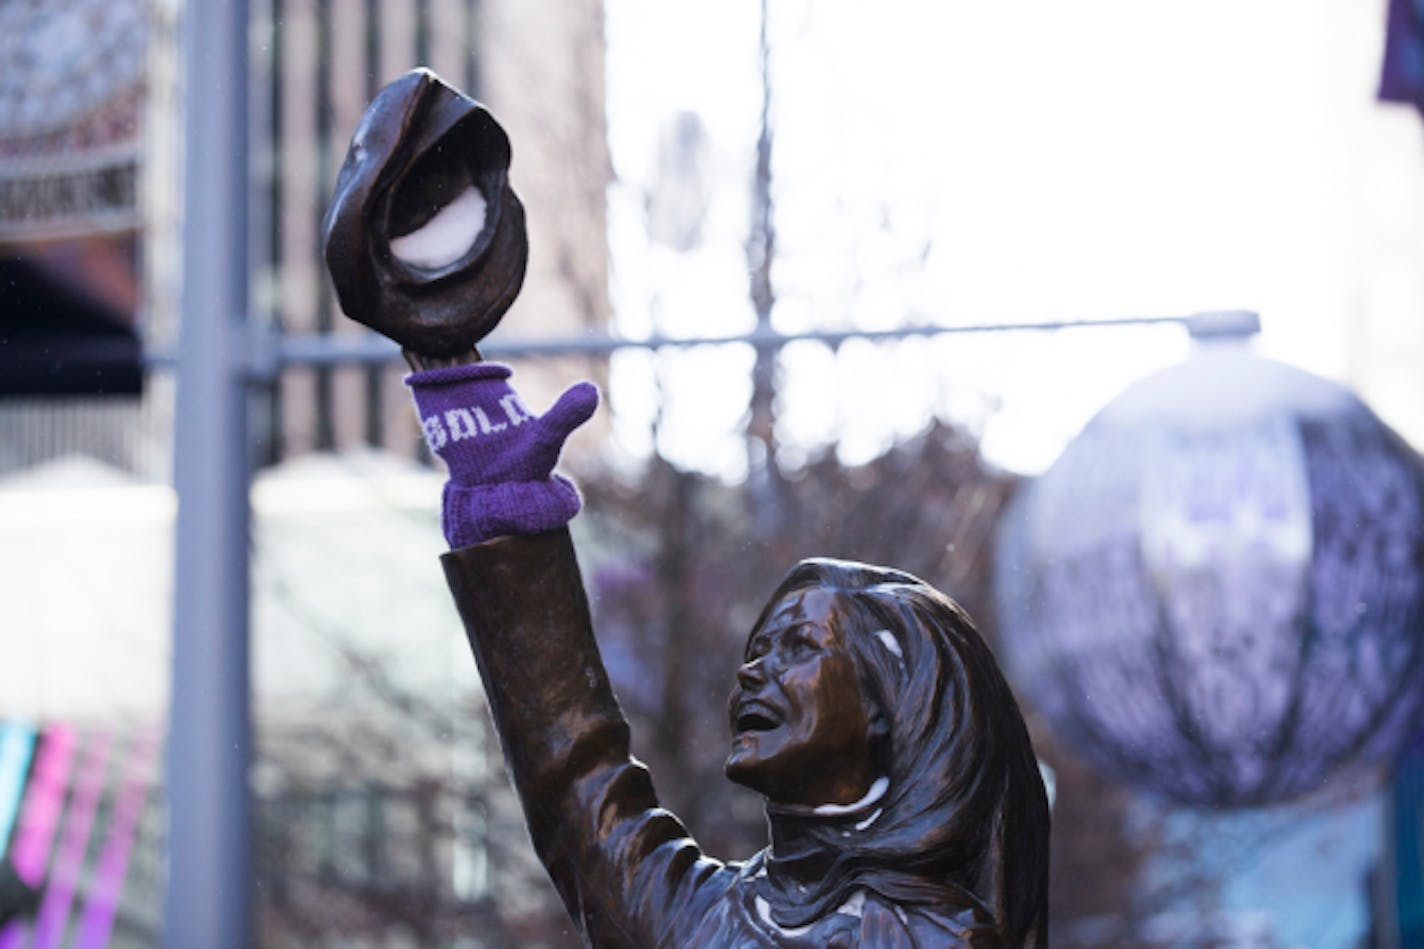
{"points": [[1217, 592]]}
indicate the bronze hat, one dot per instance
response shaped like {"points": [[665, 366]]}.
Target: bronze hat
{"points": [[420, 145]]}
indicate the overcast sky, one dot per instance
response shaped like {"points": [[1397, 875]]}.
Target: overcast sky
{"points": [[967, 162]]}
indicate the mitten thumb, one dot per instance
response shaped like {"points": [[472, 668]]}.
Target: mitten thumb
{"points": [[572, 409]]}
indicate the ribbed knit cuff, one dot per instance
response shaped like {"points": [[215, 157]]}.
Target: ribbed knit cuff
{"points": [[473, 514]]}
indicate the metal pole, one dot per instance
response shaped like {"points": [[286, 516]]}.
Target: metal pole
{"points": [[266, 354], [209, 736]]}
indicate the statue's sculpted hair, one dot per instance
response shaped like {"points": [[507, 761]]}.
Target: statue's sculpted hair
{"points": [[965, 817]]}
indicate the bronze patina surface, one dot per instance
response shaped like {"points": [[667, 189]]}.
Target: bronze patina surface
{"points": [[419, 146], [902, 793], [903, 797]]}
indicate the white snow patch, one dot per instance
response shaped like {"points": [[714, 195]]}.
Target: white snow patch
{"points": [[861, 825], [764, 911], [876, 792], [1224, 387], [446, 236], [855, 906], [888, 639]]}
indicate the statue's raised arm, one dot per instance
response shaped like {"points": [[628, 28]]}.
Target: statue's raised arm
{"points": [[902, 794]]}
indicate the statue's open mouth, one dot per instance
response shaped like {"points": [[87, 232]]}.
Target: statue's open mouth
{"points": [[755, 717]]}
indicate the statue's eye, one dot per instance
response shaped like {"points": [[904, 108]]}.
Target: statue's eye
{"points": [[802, 644]]}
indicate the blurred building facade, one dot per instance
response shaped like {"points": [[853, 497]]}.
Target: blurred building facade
{"points": [[538, 66], [72, 122], [357, 842], [89, 165]]}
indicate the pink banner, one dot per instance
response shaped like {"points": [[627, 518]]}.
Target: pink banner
{"points": [[39, 815], [74, 844], [98, 919]]}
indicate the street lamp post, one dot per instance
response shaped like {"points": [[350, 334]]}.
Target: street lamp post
{"points": [[209, 735]]}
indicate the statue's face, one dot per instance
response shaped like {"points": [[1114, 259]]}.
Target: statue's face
{"points": [[801, 725]]}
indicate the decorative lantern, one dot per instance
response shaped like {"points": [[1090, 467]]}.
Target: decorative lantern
{"points": [[1217, 592]]}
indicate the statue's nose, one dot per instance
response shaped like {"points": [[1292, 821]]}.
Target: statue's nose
{"points": [[751, 675]]}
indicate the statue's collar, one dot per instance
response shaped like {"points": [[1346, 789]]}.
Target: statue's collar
{"points": [[824, 812], [800, 852]]}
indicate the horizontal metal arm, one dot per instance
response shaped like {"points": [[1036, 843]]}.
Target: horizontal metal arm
{"points": [[270, 351]]}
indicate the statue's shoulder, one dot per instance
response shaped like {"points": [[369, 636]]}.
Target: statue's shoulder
{"points": [[866, 920], [929, 925]]}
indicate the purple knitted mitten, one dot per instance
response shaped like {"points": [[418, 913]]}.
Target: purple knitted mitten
{"points": [[500, 455]]}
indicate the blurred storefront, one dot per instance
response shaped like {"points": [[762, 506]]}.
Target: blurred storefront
{"points": [[376, 799], [372, 774]]}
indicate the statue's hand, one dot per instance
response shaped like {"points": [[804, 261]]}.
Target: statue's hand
{"points": [[500, 455]]}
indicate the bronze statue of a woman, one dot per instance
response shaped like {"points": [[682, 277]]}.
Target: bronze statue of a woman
{"points": [[902, 793]]}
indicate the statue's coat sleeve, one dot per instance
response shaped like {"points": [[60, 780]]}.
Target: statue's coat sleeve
{"points": [[627, 870]]}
